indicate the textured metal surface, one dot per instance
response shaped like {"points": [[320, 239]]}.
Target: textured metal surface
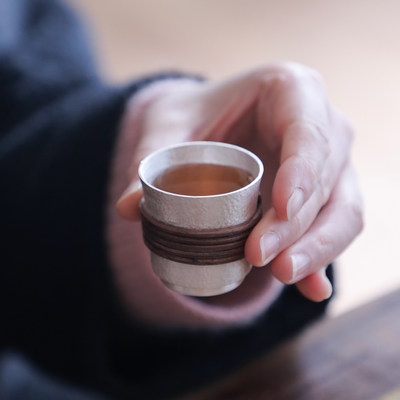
{"points": [[198, 246], [200, 212]]}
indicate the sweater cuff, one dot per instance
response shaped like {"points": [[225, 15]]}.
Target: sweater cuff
{"points": [[141, 291]]}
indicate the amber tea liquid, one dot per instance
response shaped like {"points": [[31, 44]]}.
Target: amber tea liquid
{"points": [[202, 179]]}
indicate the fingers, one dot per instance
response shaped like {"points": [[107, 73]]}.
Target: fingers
{"points": [[305, 152], [314, 138], [338, 223], [301, 251], [313, 202], [312, 162], [273, 235], [316, 287]]}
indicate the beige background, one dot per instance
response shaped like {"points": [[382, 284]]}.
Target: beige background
{"points": [[355, 44]]}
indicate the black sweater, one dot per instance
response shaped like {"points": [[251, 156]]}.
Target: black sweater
{"points": [[58, 125]]}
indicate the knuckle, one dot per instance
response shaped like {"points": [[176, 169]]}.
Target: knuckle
{"points": [[356, 213], [311, 169], [319, 130], [325, 244], [346, 125], [348, 129], [284, 78], [289, 74], [297, 225], [295, 71], [316, 77], [324, 192], [324, 186], [282, 74]]}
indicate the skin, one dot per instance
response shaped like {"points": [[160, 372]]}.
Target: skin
{"points": [[312, 204]]}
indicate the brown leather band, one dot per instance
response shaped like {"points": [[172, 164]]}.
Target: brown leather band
{"points": [[198, 247]]}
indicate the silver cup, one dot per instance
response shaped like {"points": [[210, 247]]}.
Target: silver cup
{"points": [[200, 213]]}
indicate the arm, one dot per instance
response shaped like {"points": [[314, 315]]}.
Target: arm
{"points": [[281, 112], [58, 126], [62, 309]]}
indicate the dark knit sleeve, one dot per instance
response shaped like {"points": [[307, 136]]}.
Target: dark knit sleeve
{"points": [[58, 124], [58, 305]]}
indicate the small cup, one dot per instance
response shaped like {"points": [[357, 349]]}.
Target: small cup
{"points": [[189, 235]]}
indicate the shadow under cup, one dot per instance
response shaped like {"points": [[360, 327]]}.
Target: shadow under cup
{"points": [[197, 241]]}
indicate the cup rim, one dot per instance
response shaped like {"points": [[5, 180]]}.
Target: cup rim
{"points": [[201, 143]]}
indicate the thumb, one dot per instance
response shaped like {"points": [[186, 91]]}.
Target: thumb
{"points": [[158, 115], [128, 203], [187, 110]]}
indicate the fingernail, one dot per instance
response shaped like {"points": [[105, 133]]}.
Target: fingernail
{"points": [[300, 263], [269, 244], [295, 202]]}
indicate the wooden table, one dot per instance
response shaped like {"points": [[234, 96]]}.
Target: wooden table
{"points": [[355, 356]]}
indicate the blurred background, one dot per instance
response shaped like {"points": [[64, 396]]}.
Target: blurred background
{"points": [[355, 44]]}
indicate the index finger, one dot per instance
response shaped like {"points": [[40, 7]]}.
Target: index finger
{"points": [[294, 113]]}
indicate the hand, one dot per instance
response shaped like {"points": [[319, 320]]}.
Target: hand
{"points": [[313, 208]]}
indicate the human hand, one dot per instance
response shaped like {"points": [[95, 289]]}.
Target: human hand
{"points": [[313, 208]]}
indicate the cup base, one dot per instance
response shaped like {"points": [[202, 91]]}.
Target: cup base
{"points": [[203, 292], [200, 280]]}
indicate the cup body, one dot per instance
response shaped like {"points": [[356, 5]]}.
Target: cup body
{"points": [[200, 212]]}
